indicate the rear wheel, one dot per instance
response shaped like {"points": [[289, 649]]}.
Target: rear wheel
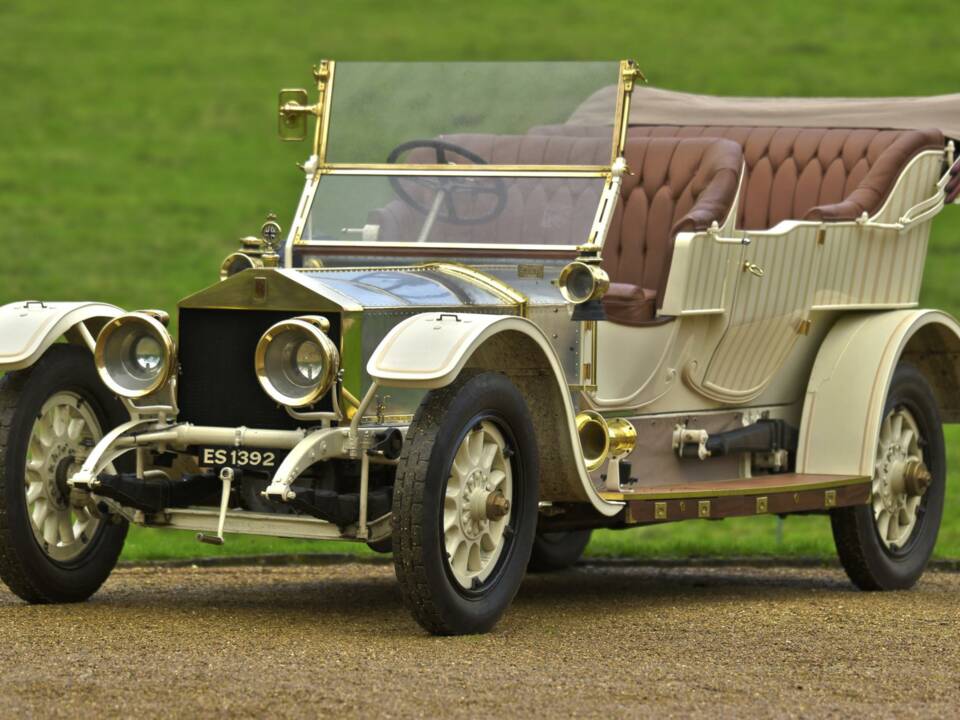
{"points": [[886, 544], [557, 550], [55, 546], [465, 504]]}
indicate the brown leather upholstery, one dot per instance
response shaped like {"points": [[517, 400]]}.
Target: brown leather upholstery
{"points": [[676, 185], [803, 173]]}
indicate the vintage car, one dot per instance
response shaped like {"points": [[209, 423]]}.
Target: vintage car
{"points": [[516, 302]]}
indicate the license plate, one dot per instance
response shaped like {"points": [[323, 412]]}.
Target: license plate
{"points": [[218, 457]]}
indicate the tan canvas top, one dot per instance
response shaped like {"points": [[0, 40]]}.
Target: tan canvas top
{"points": [[653, 106]]}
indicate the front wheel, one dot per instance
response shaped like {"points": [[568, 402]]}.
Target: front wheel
{"points": [[465, 504], [886, 544], [55, 546]]}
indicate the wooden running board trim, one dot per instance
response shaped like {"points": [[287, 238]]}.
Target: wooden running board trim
{"points": [[760, 485], [769, 495]]}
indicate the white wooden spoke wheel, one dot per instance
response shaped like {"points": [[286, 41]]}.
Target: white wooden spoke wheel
{"points": [[477, 505], [900, 479], [63, 434]]}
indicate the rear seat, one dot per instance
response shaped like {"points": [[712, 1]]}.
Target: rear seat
{"points": [[685, 178], [801, 173]]}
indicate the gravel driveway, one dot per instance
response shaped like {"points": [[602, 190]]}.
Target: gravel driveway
{"points": [[596, 641]]}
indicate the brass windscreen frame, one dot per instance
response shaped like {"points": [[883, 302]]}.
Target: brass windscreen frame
{"points": [[325, 77], [629, 73]]}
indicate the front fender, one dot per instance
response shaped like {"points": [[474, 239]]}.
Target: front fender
{"points": [[431, 349], [848, 386], [28, 329]]}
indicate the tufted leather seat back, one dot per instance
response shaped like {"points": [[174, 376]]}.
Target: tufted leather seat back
{"points": [[803, 173], [676, 185], [795, 173]]}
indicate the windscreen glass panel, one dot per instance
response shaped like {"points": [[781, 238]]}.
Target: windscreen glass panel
{"points": [[461, 210], [377, 109]]}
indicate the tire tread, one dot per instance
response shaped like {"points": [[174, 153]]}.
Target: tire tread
{"points": [[16, 564], [409, 489], [12, 570]]}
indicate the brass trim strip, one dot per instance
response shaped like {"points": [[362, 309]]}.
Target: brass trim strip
{"points": [[713, 491], [492, 248], [560, 171]]}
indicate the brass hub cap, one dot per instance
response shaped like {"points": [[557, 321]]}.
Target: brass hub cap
{"points": [[900, 478], [476, 507], [63, 434]]}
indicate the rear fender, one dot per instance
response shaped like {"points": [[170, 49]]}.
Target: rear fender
{"points": [[430, 350], [851, 376], [28, 329]]}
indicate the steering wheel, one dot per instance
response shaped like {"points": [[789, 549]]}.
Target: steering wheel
{"points": [[449, 186]]}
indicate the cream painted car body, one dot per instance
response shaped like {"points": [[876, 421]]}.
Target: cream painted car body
{"points": [[804, 323]]}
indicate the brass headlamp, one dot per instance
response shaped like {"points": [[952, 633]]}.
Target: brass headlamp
{"points": [[296, 361], [134, 354]]}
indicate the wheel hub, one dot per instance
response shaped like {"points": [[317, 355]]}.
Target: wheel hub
{"points": [[64, 429], [900, 478], [474, 505], [59, 490], [477, 505]]}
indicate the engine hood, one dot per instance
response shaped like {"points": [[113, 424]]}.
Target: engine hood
{"points": [[433, 286]]}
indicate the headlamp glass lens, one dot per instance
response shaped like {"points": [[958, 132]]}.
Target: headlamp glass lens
{"points": [[309, 360], [148, 355], [580, 284]]}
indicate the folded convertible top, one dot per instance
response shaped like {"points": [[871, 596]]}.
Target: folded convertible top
{"points": [[653, 106]]}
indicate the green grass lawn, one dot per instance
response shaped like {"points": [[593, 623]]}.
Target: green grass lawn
{"points": [[137, 141]]}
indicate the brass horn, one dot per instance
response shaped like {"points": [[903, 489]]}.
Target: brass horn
{"points": [[601, 440]]}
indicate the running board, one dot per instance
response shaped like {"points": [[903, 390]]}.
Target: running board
{"points": [[766, 494]]}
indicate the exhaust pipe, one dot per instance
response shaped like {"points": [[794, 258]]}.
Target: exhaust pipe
{"points": [[601, 440]]}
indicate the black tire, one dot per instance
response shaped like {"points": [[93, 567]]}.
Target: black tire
{"points": [[24, 566], [868, 562], [436, 600], [384, 547], [554, 551]]}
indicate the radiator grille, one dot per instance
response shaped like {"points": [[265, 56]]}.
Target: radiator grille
{"points": [[217, 383]]}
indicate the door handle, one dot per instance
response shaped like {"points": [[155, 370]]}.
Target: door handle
{"points": [[753, 268]]}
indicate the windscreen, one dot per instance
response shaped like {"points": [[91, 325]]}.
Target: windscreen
{"points": [[473, 210], [377, 109]]}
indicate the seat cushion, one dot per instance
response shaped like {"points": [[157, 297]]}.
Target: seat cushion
{"points": [[627, 304]]}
